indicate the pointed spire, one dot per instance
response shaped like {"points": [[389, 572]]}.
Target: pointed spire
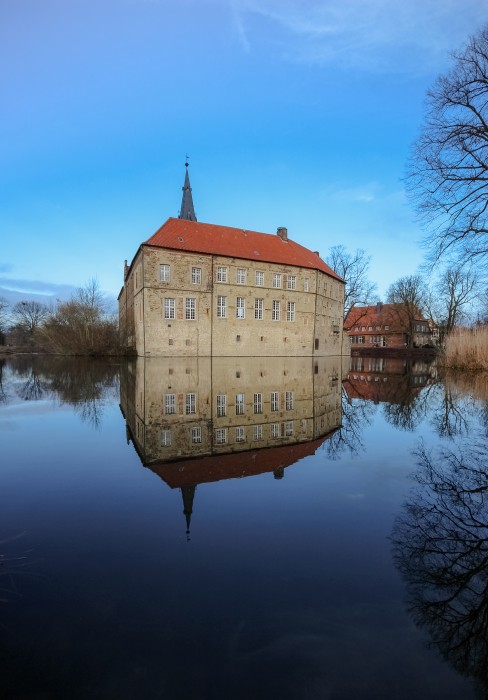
{"points": [[187, 211], [188, 493]]}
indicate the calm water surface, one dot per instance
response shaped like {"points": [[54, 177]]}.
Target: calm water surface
{"points": [[323, 538]]}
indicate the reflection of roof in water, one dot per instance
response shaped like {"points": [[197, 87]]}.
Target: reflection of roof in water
{"points": [[234, 465]]}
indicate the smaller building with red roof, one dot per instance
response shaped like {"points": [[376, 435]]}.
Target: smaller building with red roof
{"points": [[203, 289], [386, 325]]}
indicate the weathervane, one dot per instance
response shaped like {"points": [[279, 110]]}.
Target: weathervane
{"points": [[187, 158]]}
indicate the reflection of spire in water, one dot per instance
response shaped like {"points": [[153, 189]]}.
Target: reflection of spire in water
{"points": [[188, 493]]}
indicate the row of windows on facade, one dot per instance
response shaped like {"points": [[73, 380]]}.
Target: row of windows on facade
{"points": [[240, 404], [276, 430], [373, 339], [370, 328], [278, 279], [222, 308]]}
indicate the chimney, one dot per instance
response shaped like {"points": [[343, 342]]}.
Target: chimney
{"points": [[317, 253], [126, 269], [379, 306], [282, 232]]}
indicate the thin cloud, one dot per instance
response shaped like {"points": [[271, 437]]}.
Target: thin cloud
{"points": [[378, 35]]}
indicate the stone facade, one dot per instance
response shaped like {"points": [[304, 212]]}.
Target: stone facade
{"points": [[181, 303], [178, 408]]}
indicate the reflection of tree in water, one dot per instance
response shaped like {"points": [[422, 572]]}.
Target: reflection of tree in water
{"points": [[408, 410], [85, 384], [3, 395], [440, 545], [356, 415]]}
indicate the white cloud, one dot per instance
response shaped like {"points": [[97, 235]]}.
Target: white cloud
{"points": [[379, 35]]}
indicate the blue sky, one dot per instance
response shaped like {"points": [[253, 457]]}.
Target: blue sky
{"points": [[294, 113]]}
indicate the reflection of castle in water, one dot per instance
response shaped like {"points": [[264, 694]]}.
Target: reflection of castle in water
{"points": [[198, 420], [387, 379]]}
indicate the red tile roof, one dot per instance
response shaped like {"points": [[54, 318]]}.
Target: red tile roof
{"points": [[393, 315], [195, 237]]}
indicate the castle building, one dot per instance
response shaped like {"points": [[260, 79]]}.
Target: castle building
{"points": [[196, 289]]}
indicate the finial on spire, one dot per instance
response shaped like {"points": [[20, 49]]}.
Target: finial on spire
{"points": [[187, 210]]}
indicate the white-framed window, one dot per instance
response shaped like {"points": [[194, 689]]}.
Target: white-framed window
{"points": [[276, 310], [164, 273], [289, 400], [240, 404], [258, 432], [240, 434], [169, 403], [291, 282], [196, 275], [259, 278], [240, 307], [275, 430], [289, 428], [169, 308], [275, 400], [196, 435], [221, 405], [258, 309], [221, 307], [277, 280], [166, 437], [240, 275], [191, 403], [221, 436], [258, 403], [190, 309], [306, 284], [290, 310], [221, 274], [387, 328]]}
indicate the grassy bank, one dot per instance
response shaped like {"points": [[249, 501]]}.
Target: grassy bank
{"points": [[467, 349]]}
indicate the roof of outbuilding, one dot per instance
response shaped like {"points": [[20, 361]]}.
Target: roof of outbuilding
{"points": [[196, 237]]}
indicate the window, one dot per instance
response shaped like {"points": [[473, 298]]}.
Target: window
{"points": [[258, 432], [387, 328], [240, 307], [190, 309], [239, 404], [196, 435], [259, 278], [275, 400], [164, 273], [240, 276], [363, 328], [258, 403], [291, 282], [240, 434], [221, 307], [306, 284], [221, 436], [275, 430], [370, 328], [290, 310], [275, 312], [221, 404], [169, 403], [169, 308], [166, 438], [191, 404], [221, 274], [289, 428], [289, 400], [277, 281], [196, 275], [258, 309]]}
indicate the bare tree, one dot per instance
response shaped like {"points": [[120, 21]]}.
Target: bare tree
{"points": [[455, 291], [447, 177], [409, 294], [29, 315], [353, 268]]}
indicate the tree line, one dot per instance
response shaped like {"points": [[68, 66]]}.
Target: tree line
{"points": [[83, 325]]}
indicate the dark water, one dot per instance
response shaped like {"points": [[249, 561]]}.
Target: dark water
{"points": [[331, 546]]}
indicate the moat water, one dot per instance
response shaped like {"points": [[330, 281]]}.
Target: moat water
{"points": [[322, 534]]}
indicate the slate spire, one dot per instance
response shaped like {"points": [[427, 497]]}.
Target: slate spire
{"points": [[187, 210]]}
